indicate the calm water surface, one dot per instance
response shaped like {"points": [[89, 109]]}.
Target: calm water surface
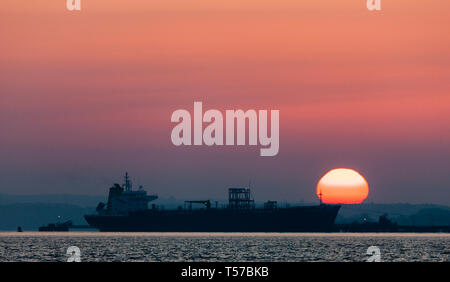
{"points": [[96, 246]]}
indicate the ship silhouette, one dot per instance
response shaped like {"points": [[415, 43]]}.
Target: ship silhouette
{"points": [[127, 211]]}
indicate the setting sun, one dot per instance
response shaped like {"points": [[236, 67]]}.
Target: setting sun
{"points": [[342, 186]]}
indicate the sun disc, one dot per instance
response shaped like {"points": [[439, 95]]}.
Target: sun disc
{"points": [[342, 186]]}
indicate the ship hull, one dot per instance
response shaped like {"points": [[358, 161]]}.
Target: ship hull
{"points": [[295, 219]]}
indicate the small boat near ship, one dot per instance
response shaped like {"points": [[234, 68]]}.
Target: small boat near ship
{"points": [[52, 227]]}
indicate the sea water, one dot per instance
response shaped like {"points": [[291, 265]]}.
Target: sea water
{"points": [[224, 247]]}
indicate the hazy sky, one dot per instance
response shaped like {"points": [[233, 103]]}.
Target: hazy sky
{"points": [[86, 95]]}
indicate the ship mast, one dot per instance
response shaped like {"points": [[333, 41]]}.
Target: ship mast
{"points": [[320, 197], [127, 184]]}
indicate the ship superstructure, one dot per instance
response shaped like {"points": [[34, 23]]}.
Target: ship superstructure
{"points": [[123, 199]]}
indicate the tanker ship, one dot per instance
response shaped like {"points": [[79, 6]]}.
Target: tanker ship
{"points": [[127, 211]]}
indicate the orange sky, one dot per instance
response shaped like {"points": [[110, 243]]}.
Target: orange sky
{"points": [[354, 88]]}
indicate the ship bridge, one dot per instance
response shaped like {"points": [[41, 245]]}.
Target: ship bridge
{"points": [[123, 199]]}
